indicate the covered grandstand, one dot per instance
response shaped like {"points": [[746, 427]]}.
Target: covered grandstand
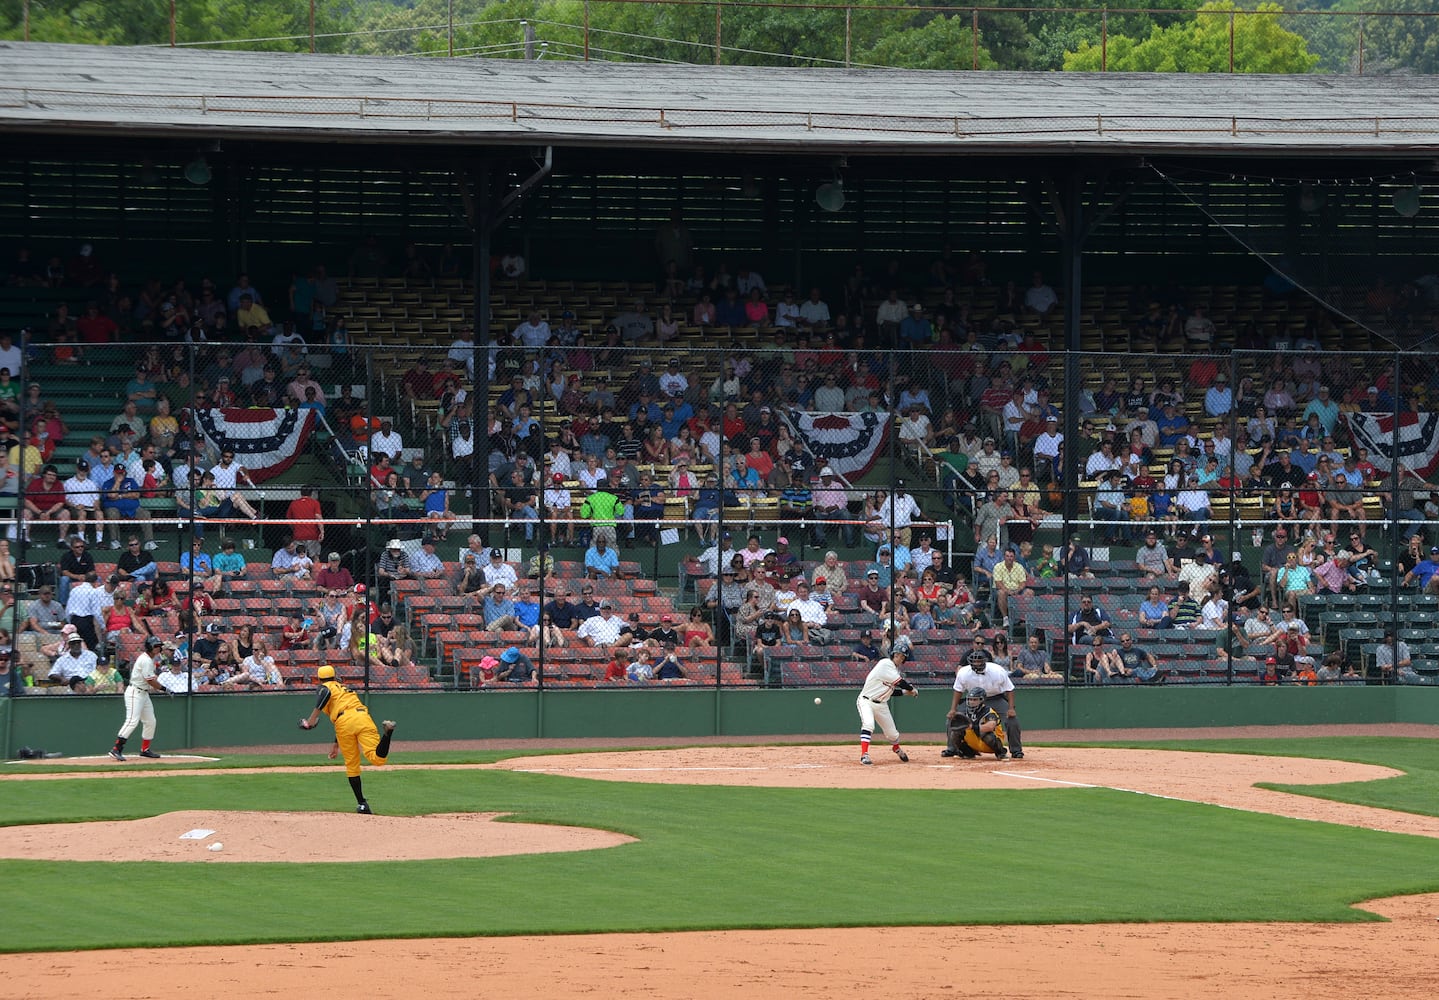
{"points": [[1268, 235]]}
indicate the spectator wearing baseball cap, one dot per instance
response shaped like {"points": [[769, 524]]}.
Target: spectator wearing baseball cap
{"points": [[333, 576], [498, 571], [1425, 574]]}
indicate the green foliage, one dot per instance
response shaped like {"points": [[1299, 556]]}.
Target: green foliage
{"points": [[714, 857], [1054, 36], [1401, 44], [945, 42], [1260, 45]]}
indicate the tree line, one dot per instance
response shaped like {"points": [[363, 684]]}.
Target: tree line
{"points": [[1300, 37]]}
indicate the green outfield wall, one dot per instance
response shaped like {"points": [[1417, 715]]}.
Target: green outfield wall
{"points": [[82, 725]]}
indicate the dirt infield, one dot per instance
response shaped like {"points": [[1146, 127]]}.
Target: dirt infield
{"points": [[1399, 959], [287, 836], [1062, 962]]}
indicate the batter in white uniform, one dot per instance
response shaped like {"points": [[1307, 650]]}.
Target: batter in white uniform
{"points": [[873, 702], [138, 709], [998, 695]]}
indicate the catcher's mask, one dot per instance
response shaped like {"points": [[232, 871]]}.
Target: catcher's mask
{"points": [[978, 658], [974, 697]]}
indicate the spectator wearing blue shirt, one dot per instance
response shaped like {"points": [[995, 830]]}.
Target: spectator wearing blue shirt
{"points": [[729, 311], [1425, 573], [1089, 621], [1173, 425], [527, 608], [985, 560], [1325, 408], [1154, 611], [898, 557], [883, 566], [1303, 458], [1219, 400], [121, 502], [1073, 559], [601, 561], [200, 562], [498, 610], [742, 477], [650, 405], [707, 508], [915, 329]]}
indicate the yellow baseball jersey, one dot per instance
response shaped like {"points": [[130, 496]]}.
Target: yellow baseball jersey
{"points": [[341, 699]]}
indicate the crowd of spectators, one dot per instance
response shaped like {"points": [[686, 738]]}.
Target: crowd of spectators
{"points": [[602, 430]]}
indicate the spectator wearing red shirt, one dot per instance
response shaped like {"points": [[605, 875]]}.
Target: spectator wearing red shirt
{"points": [[95, 327], [759, 459], [306, 527], [45, 500], [334, 576], [732, 425], [421, 383]]}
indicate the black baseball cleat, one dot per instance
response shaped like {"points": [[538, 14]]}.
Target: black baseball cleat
{"points": [[1001, 755], [150, 753], [116, 755], [364, 807], [1017, 755], [948, 753], [903, 757]]}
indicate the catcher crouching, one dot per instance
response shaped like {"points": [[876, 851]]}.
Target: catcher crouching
{"points": [[975, 729]]}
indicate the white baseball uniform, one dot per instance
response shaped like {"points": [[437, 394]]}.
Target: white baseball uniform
{"points": [[138, 707], [873, 701]]}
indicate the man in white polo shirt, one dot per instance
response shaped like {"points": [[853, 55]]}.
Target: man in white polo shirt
{"points": [[603, 630]]}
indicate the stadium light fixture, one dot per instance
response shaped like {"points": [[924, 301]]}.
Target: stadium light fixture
{"points": [[830, 197], [197, 171], [1407, 201]]}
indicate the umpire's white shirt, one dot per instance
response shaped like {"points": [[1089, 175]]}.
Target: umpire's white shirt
{"points": [[994, 679]]}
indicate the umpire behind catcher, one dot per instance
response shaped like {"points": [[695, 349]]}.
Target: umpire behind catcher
{"points": [[998, 695]]}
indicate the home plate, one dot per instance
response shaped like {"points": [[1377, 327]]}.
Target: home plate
{"points": [[134, 758]]}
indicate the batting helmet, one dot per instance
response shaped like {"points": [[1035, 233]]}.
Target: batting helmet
{"points": [[153, 641], [325, 673], [974, 697]]}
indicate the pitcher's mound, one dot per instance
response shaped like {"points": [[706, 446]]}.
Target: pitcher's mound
{"points": [[304, 837]]}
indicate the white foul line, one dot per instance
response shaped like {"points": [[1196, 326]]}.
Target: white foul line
{"points": [[1052, 781]]}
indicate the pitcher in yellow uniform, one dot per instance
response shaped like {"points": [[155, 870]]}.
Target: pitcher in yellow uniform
{"points": [[355, 732]]}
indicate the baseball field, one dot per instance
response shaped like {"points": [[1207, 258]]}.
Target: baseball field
{"points": [[1180, 869]]}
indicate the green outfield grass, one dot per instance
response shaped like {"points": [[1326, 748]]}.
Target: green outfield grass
{"points": [[712, 857]]}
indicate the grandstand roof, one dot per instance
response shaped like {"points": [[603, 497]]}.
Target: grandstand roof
{"points": [[164, 91]]}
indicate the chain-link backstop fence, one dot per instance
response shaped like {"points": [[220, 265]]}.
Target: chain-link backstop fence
{"points": [[614, 494]]}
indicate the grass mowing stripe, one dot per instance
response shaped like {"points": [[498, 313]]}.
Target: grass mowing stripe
{"points": [[708, 857]]}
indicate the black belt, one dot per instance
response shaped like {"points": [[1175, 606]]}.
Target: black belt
{"points": [[877, 701], [360, 709]]}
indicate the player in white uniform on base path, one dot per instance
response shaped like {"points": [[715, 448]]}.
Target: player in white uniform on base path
{"points": [[873, 701], [138, 709], [981, 672]]}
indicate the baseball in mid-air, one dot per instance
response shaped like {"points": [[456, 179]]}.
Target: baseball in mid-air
{"points": [[817, 701]]}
